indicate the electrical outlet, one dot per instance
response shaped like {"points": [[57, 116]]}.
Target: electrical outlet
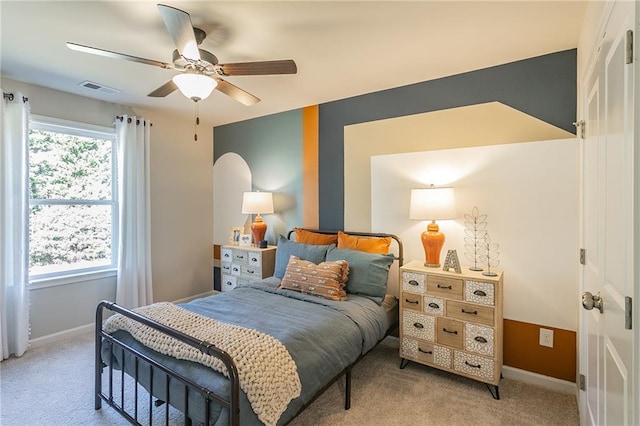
{"points": [[546, 337]]}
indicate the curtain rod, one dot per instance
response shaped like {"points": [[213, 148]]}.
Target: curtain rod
{"points": [[11, 97], [120, 117]]}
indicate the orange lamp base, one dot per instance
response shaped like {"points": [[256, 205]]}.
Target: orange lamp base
{"points": [[258, 229], [432, 241]]}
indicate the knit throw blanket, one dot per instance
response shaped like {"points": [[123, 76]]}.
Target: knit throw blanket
{"points": [[266, 371]]}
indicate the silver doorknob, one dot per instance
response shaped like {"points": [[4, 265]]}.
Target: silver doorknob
{"points": [[589, 301]]}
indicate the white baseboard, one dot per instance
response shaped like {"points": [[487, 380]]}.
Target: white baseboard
{"points": [[547, 382], [197, 296], [84, 329], [62, 335]]}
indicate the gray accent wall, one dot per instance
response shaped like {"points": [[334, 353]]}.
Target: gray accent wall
{"points": [[272, 148], [543, 87]]}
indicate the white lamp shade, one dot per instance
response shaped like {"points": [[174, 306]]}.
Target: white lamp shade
{"points": [[432, 204], [195, 86], [257, 203]]}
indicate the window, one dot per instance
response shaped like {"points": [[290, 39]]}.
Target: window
{"points": [[73, 219]]}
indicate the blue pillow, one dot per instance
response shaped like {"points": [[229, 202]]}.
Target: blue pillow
{"points": [[368, 272], [287, 248]]}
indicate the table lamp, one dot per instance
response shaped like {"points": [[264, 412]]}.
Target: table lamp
{"points": [[432, 204], [257, 203]]}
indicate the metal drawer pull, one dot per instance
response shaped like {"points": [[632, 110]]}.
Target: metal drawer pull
{"points": [[480, 293], [425, 352], [449, 331], [418, 325], [236, 269], [228, 282], [480, 339], [254, 259], [250, 271], [448, 287], [434, 305], [472, 365], [413, 282], [415, 302], [469, 312]]}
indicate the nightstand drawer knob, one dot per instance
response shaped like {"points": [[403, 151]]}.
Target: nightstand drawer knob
{"points": [[449, 331], [255, 259], [464, 311], [425, 352], [434, 305], [413, 282], [480, 293], [418, 325], [447, 287], [473, 365], [480, 339], [415, 302]]}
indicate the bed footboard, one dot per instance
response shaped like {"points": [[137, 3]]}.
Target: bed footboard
{"points": [[159, 380]]}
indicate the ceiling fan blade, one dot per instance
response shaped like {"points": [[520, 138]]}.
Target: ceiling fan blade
{"points": [[178, 23], [286, 66], [236, 93], [164, 90], [116, 55]]}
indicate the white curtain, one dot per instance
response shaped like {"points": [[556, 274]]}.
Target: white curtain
{"points": [[14, 225], [134, 242]]}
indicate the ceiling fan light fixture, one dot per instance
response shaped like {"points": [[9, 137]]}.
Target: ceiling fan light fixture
{"points": [[195, 86]]}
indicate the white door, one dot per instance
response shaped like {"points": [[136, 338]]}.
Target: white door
{"points": [[607, 226]]}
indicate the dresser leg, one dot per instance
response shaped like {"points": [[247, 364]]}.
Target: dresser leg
{"points": [[403, 363], [494, 389]]}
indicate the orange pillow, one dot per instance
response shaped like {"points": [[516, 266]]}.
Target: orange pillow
{"points": [[315, 238], [378, 245]]}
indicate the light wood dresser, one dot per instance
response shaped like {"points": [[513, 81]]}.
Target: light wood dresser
{"points": [[452, 322], [244, 264]]}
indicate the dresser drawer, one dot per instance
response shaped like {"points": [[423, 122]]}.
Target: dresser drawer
{"points": [[240, 256], [474, 365], [470, 312], [412, 301], [254, 259], [229, 282], [450, 332], [236, 269], [226, 255], [413, 282], [479, 339], [418, 325], [444, 287], [251, 272], [479, 292], [225, 268], [426, 352], [433, 305]]}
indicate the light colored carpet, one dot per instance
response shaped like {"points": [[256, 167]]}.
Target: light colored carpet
{"points": [[53, 385]]}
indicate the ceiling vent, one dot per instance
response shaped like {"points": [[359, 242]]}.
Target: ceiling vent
{"points": [[99, 88]]}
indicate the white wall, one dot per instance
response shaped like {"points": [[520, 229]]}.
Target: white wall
{"points": [[529, 192], [181, 209]]}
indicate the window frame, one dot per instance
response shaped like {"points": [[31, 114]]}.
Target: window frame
{"points": [[73, 275]]}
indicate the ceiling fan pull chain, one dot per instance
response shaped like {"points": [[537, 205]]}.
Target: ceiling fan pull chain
{"points": [[195, 127]]}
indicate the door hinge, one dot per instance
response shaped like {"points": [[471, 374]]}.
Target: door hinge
{"points": [[628, 313], [629, 49], [583, 256], [581, 128], [583, 382]]}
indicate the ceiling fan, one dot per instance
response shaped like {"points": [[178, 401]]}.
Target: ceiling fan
{"points": [[200, 72]]}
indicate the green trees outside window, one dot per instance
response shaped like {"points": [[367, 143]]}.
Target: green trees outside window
{"points": [[73, 209]]}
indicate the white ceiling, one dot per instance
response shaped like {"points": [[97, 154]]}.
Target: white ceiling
{"points": [[342, 48]]}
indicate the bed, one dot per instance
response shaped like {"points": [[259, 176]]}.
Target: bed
{"points": [[277, 346]]}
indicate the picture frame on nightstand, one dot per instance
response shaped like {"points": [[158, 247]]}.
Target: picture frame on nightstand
{"points": [[234, 234], [244, 240]]}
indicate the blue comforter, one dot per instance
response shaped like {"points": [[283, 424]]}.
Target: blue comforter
{"points": [[322, 336]]}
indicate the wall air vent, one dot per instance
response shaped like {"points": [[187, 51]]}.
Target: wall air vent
{"points": [[99, 88]]}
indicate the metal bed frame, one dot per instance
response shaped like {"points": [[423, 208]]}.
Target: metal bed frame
{"points": [[231, 402]]}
